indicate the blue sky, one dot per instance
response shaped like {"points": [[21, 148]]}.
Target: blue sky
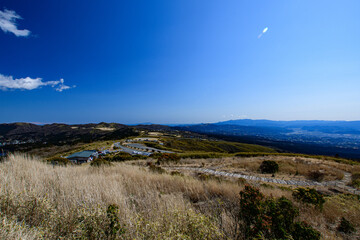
{"points": [[178, 61]]}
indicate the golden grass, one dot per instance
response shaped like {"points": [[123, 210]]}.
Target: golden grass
{"points": [[12, 229], [40, 201], [54, 198], [288, 166], [342, 205]]}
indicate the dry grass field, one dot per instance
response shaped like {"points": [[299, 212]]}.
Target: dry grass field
{"points": [[122, 201], [289, 167]]}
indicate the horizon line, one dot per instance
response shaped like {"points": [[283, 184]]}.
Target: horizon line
{"points": [[186, 123]]}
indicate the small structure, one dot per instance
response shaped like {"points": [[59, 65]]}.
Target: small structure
{"points": [[83, 157]]}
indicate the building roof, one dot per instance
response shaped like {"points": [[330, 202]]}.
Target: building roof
{"points": [[84, 154]]}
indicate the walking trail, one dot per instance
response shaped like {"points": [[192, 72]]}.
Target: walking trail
{"points": [[337, 183]]}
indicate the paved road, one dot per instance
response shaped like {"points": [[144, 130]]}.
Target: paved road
{"points": [[132, 151], [143, 147], [339, 183]]}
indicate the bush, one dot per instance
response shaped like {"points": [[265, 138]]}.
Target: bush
{"points": [[309, 195], [283, 214], [269, 167], [355, 180], [176, 173], [271, 218], [316, 176], [121, 156], [114, 228], [345, 226], [58, 161], [100, 162], [156, 169], [207, 177], [166, 157], [139, 156], [252, 213], [303, 231]]}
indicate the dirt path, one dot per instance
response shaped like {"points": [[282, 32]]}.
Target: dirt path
{"points": [[337, 183]]}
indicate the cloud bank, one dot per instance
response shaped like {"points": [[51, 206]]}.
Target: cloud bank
{"points": [[8, 83], [8, 23]]}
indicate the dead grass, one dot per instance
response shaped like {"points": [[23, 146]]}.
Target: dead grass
{"points": [[12, 229], [39, 201], [342, 205], [328, 219], [288, 166], [55, 198]]}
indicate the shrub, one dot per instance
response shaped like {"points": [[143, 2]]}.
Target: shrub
{"points": [[252, 214], [303, 231], [355, 180], [271, 218], [100, 162], [345, 226], [114, 228], [241, 181], [206, 177], [283, 214], [309, 195], [156, 169], [176, 173], [316, 176], [58, 161], [166, 157], [121, 156], [269, 167], [139, 156]]}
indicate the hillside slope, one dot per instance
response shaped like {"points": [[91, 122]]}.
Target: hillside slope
{"points": [[199, 145], [62, 133]]}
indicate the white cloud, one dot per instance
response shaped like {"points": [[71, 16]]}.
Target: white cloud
{"points": [[61, 86], [263, 32], [8, 23], [8, 82]]}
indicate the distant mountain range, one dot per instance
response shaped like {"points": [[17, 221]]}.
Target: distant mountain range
{"points": [[332, 127], [313, 137]]}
